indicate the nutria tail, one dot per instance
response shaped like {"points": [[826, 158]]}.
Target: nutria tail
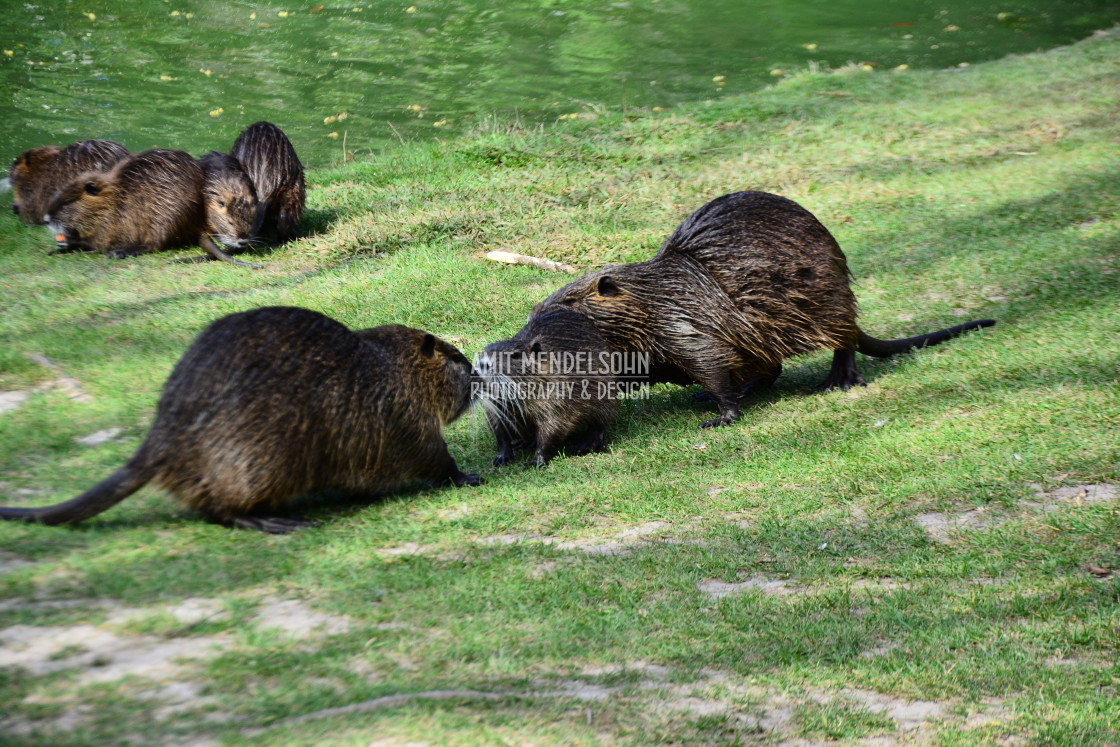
{"points": [[101, 497], [886, 348]]}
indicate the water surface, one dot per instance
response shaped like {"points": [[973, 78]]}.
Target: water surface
{"points": [[351, 78]]}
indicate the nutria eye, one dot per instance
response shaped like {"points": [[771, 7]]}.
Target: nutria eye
{"points": [[222, 204]]}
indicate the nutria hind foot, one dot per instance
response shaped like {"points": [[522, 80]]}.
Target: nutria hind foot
{"points": [[593, 442], [728, 414], [719, 422], [762, 382], [272, 524], [538, 461], [463, 478], [843, 374]]}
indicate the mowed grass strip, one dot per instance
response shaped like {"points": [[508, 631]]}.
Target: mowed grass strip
{"points": [[933, 557]]}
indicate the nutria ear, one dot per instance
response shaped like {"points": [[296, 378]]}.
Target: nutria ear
{"points": [[428, 346], [606, 286], [93, 188]]}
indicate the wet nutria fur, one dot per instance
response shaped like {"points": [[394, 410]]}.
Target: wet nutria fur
{"points": [[535, 390], [37, 174], [150, 201], [746, 281], [233, 212], [278, 402], [271, 162]]}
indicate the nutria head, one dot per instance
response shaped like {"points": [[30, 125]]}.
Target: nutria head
{"points": [[605, 294], [25, 169], [233, 213], [78, 209], [439, 373]]}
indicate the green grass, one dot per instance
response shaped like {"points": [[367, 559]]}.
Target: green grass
{"points": [[986, 192]]}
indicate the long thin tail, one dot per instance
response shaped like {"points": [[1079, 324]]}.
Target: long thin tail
{"points": [[215, 251], [101, 497], [885, 348]]}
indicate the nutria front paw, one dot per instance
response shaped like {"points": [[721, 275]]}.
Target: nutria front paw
{"points": [[467, 479], [503, 460], [717, 422]]}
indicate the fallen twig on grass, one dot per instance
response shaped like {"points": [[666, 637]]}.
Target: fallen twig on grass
{"points": [[513, 258]]}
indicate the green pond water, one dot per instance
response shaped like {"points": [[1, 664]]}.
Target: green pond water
{"points": [[354, 77]]}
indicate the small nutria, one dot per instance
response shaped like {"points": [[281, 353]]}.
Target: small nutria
{"points": [[37, 174], [271, 162], [745, 282], [233, 212], [549, 381], [152, 200], [278, 402]]}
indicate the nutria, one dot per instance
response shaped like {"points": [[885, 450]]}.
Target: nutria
{"points": [[233, 212], [152, 200], [37, 174], [746, 281], [549, 381], [278, 402], [271, 162]]}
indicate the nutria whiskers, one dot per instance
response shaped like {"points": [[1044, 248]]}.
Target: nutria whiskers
{"points": [[745, 282], [545, 384], [278, 402]]}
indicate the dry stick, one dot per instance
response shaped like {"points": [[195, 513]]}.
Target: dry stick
{"points": [[513, 258]]}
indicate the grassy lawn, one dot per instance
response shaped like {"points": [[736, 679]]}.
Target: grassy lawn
{"points": [[933, 558]]}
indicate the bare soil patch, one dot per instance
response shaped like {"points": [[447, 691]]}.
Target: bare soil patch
{"points": [[102, 653], [945, 527]]}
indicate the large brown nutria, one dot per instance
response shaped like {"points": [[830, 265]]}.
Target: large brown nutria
{"points": [[233, 212], [150, 201], [278, 402], [746, 281], [38, 173], [271, 162], [549, 381]]}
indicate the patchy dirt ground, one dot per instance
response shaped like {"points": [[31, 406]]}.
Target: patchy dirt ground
{"points": [[945, 528], [164, 669], [165, 666]]}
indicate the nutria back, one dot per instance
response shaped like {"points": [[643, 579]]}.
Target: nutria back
{"points": [[278, 402], [774, 259], [150, 201], [37, 174], [547, 383], [271, 162], [230, 202], [745, 282]]}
